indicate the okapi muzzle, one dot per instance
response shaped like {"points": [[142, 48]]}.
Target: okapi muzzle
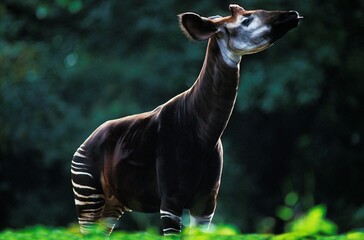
{"points": [[170, 159]]}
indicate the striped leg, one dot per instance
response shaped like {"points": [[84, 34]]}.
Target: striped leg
{"points": [[112, 213], [171, 223], [89, 197], [108, 224], [202, 222]]}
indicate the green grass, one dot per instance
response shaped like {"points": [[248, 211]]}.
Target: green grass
{"points": [[220, 233]]}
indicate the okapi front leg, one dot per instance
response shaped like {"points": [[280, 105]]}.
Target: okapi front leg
{"points": [[203, 209], [168, 178], [202, 222], [171, 222], [201, 214], [171, 213]]}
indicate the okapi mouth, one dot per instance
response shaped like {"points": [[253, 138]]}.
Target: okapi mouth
{"points": [[284, 22]]}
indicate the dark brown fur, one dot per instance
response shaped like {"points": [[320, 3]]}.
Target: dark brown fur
{"points": [[171, 158], [174, 150]]}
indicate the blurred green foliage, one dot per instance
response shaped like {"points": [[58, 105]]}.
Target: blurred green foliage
{"points": [[219, 233], [295, 139], [314, 222]]}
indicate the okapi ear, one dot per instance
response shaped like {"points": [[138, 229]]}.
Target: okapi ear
{"points": [[196, 27]]}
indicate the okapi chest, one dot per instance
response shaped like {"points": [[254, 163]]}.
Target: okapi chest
{"points": [[171, 158]]}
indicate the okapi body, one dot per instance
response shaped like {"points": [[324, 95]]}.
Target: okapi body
{"points": [[171, 158]]}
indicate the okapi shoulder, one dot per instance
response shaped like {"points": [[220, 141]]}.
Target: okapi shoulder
{"points": [[131, 141], [111, 131]]}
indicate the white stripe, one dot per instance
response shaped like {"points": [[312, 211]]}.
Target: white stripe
{"points": [[91, 215], [169, 229], [94, 210], [86, 226], [81, 203], [88, 223], [81, 173], [84, 221], [78, 168], [207, 217], [127, 209], [77, 154], [170, 215], [89, 196], [80, 164], [75, 185]]}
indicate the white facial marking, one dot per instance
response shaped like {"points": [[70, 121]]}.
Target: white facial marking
{"points": [[250, 38], [257, 28], [258, 32], [244, 38], [231, 58], [256, 23]]}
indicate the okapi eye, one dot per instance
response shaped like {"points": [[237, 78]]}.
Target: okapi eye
{"points": [[246, 21]]}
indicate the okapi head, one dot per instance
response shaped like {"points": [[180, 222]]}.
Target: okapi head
{"points": [[244, 32]]}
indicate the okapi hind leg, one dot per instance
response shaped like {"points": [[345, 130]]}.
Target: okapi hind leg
{"points": [[88, 193], [112, 213]]}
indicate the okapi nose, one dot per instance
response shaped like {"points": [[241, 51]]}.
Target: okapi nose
{"points": [[295, 14], [288, 18]]}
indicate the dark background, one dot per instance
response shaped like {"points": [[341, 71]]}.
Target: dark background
{"points": [[66, 66]]}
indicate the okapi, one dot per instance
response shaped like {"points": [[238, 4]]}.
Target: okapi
{"points": [[171, 158]]}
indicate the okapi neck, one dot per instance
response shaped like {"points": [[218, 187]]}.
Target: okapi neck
{"points": [[213, 95]]}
